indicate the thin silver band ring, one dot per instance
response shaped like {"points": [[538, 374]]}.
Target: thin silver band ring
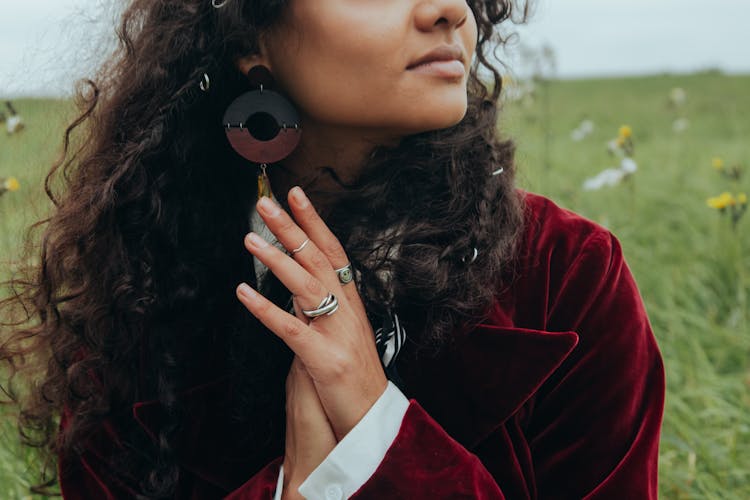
{"points": [[299, 248]]}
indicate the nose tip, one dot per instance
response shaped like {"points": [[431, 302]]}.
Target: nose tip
{"points": [[452, 13]]}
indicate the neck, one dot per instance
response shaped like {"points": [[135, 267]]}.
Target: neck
{"points": [[344, 151]]}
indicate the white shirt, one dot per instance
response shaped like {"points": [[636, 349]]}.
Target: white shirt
{"points": [[357, 456]]}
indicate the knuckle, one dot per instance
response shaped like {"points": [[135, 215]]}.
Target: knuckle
{"points": [[313, 286], [286, 224], [292, 328], [319, 261], [335, 252], [309, 214], [263, 308], [338, 364]]}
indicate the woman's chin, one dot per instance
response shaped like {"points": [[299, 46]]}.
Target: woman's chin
{"points": [[442, 117]]}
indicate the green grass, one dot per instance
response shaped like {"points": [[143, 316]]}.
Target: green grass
{"points": [[691, 268]]}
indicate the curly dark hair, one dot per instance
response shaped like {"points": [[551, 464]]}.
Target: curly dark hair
{"points": [[132, 280]]}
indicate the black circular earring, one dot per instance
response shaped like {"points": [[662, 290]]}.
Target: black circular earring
{"points": [[262, 125]]}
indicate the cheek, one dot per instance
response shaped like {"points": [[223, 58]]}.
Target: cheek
{"points": [[339, 84]]}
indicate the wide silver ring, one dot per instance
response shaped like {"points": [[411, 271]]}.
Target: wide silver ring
{"points": [[328, 306], [345, 274], [299, 248]]}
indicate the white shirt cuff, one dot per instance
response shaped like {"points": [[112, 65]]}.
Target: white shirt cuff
{"points": [[356, 457], [279, 483]]}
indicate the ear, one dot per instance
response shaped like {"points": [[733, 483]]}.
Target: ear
{"points": [[244, 63]]}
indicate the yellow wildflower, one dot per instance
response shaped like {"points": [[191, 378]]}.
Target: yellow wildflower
{"points": [[742, 198], [728, 198], [625, 132], [722, 201], [717, 163], [715, 202], [11, 184]]}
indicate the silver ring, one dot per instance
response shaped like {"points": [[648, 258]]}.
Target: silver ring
{"points": [[472, 258], [345, 274], [298, 249], [218, 5], [205, 83], [328, 306]]}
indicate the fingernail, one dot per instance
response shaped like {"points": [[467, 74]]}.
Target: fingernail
{"points": [[257, 241], [268, 206], [299, 197], [247, 292]]}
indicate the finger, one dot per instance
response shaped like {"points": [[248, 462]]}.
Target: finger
{"points": [[291, 237], [298, 309], [317, 230], [308, 288], [299, 374], [310, 437], [301, 392], [291, 330]]}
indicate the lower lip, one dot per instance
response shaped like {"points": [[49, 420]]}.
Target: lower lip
{"points": [[445, 69]]}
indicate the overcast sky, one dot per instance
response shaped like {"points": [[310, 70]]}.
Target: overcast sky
{"points": [[45, 45]]}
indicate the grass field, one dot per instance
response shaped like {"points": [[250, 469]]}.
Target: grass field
{"points": [[690, 265]]}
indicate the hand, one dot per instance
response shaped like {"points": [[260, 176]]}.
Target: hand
{"points": [[309, 437], [339, 350]]}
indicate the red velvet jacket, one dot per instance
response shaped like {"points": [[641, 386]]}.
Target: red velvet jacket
{"points": [[559, 394]]}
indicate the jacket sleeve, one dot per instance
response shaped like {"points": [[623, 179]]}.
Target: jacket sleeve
{"points": [[355, 457], [597, 421]]}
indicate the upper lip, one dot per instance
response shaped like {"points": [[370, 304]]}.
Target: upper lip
{"points": [[442, 53]]}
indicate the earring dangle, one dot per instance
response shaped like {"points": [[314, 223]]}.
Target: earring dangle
{"points": [[262, 125]]}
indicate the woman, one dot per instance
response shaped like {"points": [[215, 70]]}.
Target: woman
{"points": [[491, 345]]}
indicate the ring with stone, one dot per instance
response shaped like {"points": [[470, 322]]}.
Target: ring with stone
{"points": [[328, 306], [345, 274]]}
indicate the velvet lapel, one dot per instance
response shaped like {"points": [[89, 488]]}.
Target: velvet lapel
{"points": [[490, 374]]}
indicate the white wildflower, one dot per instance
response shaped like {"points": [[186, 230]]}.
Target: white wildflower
{"points": [[677, 96], [680, 125], [628, 165], [14, 124], [584, 129], [608, 177], [611, 176]]}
